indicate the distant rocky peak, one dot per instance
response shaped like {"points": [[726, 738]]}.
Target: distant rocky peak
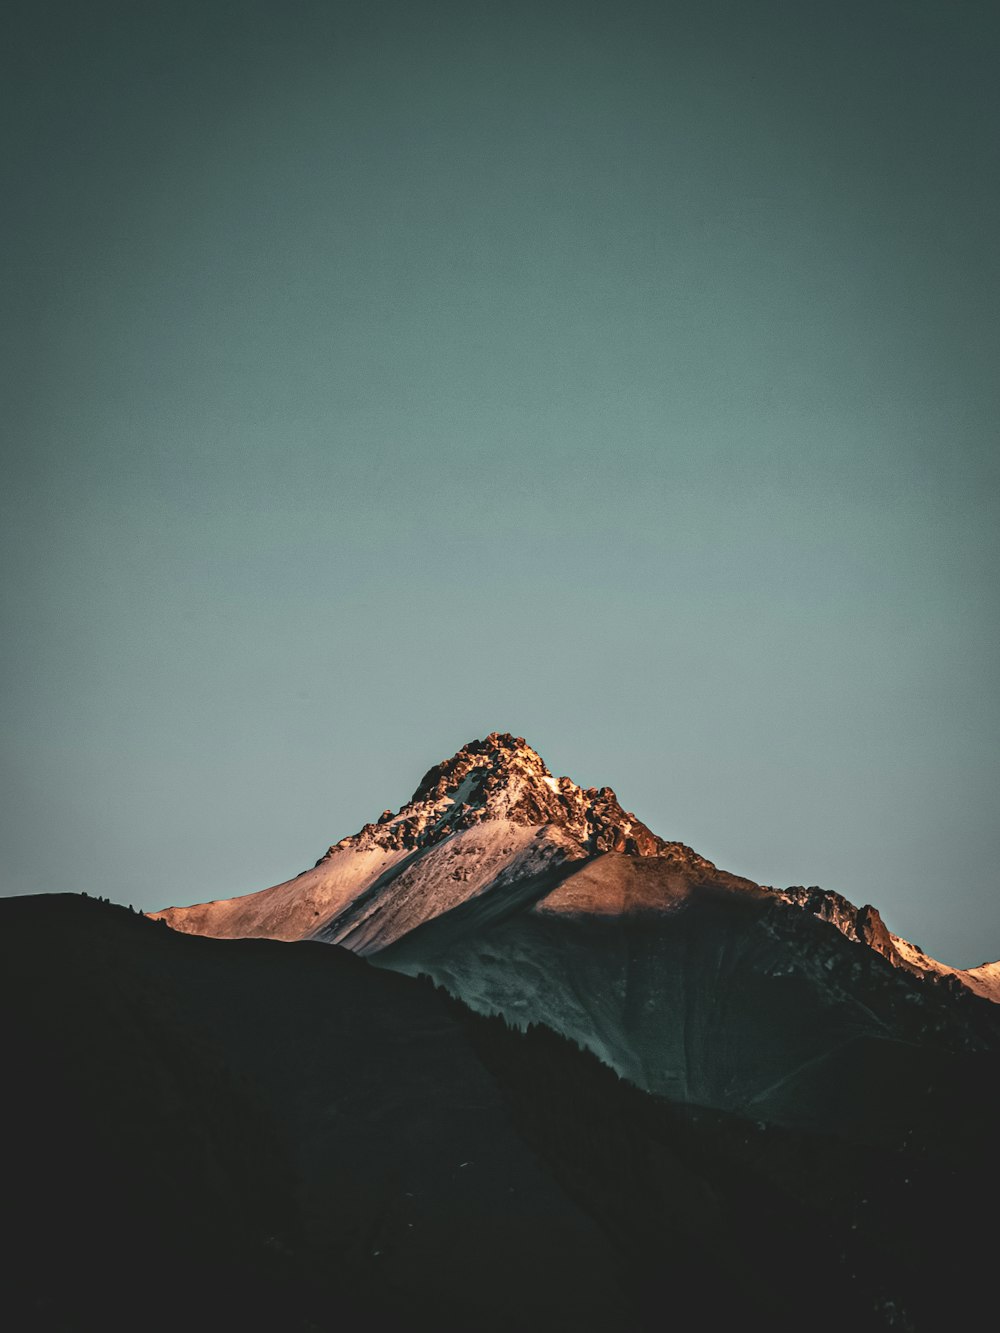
{"points": [[502, 777]]}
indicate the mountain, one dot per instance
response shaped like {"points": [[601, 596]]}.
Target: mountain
{"points": [[268, 1136], [490, 818], [527, 895]]}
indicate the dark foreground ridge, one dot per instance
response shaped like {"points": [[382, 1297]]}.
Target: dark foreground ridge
{"points": [[213, 1134]]}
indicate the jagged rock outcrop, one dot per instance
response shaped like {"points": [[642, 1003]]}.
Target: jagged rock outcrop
{"points": [[863, 924], [502, 777]]}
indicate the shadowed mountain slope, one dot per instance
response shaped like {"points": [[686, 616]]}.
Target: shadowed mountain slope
{"points": [[732, 999], [248, 1134]]}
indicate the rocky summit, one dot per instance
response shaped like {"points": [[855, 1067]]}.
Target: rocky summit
{"points": [[502, 777]]}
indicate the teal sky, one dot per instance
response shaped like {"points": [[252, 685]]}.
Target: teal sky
{"points": [[621, 375]]}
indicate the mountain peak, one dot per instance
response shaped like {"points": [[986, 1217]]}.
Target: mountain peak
{"points": [[503, 778], [500, 753]]}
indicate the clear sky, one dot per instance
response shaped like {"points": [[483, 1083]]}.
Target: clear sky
{"points": [[625, 376]]}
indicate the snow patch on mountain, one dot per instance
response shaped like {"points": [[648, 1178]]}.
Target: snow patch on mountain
{"points": [[488, 858], [983, 980], [292, 910]]}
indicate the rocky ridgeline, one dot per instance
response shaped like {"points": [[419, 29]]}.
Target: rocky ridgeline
{"points": [[861, 924], [865, 926], [502, 777]]}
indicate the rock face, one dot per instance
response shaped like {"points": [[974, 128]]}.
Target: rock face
{"points": [[526, 894]]}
